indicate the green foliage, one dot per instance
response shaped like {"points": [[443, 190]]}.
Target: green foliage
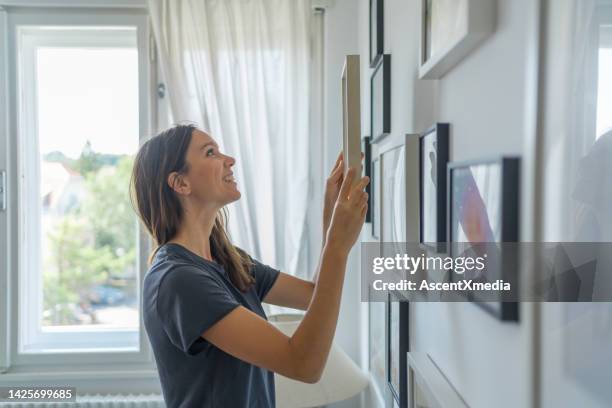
{"points": [[92, 243], [108, 208], [88, 161], [58, 301], [59, 157]]}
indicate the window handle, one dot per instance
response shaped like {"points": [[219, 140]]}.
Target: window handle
{"points": [[2, 190]]}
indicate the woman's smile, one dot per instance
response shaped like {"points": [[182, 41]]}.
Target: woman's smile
{"points": [[230, 179]]}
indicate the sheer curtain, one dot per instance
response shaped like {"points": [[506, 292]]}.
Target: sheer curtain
{"points": [[572, 102], [575, 352], [240, 70]]}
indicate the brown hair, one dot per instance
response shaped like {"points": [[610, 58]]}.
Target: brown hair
{"points": [[160, 210]]}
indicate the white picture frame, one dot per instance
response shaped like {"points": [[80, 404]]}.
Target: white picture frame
{"points": [[351, 114], [399, 179], [428, 386], [450, 30], [399, 205], [376, 349]]}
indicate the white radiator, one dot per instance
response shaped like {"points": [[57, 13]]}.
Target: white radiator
{"points": [[97, 401]]}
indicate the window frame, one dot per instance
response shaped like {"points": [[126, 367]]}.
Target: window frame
{"points": [[29, 39], [73, 365], [603, 18]]}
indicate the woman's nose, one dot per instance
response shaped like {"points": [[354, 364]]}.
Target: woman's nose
{"points": [[230, 161]]}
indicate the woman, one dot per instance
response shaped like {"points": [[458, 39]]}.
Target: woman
{"points": [[202, 296]]}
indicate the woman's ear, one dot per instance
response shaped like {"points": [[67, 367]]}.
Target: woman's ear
{"points": [[178, 183]]}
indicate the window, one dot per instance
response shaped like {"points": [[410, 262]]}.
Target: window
{"points": [[79, 132], [604, 82], [79, 82]]}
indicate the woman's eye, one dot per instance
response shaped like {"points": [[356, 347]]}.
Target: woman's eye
{"points": [[210, 152]]}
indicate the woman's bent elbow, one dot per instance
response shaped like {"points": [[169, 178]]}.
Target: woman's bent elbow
{"points": [[314, 379], [310, 378], [307, 372], [307, 366]]}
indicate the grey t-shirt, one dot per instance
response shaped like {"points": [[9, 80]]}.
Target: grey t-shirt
{"points": [[184, 295]]}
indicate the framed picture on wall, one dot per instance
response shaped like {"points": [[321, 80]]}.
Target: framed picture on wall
{"points": [[389, 227], [397, 346], [428, 386], [450, 30], [376, 347], [398, 198], [377, 31], [351, 113], [366, 148], [483, 208], [400, 205], [380, 102], [433, 158]]}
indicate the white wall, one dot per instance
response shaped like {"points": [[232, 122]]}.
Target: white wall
{"points": [[484, 99], [341, 28]]}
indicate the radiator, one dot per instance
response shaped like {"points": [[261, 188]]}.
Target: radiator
{"points": [[98, 401]]}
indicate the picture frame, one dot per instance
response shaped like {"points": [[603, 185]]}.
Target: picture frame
{"points": [[375, 197], [450, 30], [427, 386], [399, 179], [366, 148], [377, 347], [380, 99], [397, 326], [389, 223], [433, 158], [351, 114], [489, 188], [377, 31]]}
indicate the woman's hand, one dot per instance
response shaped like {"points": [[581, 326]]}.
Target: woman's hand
{"points": [[349, 213], [332, 189]]}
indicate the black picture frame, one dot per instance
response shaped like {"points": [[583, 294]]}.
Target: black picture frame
{"points": [[375, 186], [377, 32], [380, 99], [509, 190], [439, 136], [366, 148], [400, 305]]}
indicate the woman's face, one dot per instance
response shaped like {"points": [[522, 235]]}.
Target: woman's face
{"points": [[210, 178]]}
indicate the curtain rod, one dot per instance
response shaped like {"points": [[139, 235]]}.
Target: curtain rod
{"points": [[75, 3], [317, 5]]}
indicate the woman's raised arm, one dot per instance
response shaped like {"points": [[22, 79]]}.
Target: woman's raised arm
{"points": [[303, 355]]}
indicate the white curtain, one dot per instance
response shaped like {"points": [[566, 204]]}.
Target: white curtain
{"points": [[240, 70], [575, 352], [572, 102]]}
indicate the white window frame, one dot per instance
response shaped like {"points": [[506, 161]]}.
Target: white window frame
{"points": [[107, 369], [54, 338]]}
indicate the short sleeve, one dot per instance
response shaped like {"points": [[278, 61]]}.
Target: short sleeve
{"points": [[190, 301], [265, 277]]}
